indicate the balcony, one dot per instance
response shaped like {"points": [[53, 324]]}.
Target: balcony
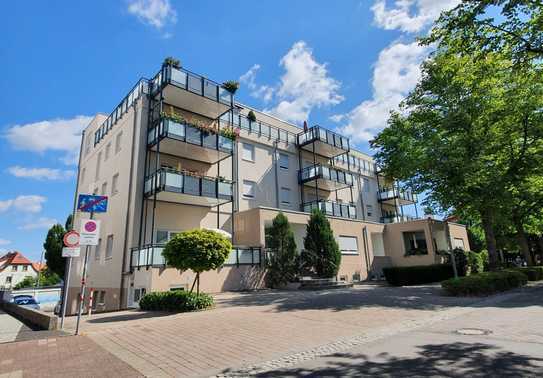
{"points": [[326, 178], [398, 218], [188, 141], [323, 142], [331, 208], [150, 255], [391, 195], [185, 188], [192, 92]]}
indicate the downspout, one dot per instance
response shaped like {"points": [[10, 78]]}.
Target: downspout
{"points": [[277, 201], [129, 202]]}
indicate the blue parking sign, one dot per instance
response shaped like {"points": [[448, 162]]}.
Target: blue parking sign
{"points": [[91, 203]]}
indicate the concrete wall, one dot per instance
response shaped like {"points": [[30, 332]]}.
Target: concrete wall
{"points": [[35, 318]]}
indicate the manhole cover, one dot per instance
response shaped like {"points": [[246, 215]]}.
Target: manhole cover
{"points": [[473, 331]]}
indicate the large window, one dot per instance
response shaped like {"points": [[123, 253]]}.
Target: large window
{"points": [[248, 152], [163, 236], [118, 142], [249, 189], [114, 184], [97, 251], [415, 243], [285, 196], [348, 245]]}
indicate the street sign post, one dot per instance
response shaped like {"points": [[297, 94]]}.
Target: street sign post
{"points": [[90, 232], [90, 203]]}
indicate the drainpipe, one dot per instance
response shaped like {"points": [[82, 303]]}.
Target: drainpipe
{"points": [[277, 201]]}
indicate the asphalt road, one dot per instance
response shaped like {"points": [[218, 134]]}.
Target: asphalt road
{"points": [[504, 340]]}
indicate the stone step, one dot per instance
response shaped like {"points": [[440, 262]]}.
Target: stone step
{"points": [[335, 285]]}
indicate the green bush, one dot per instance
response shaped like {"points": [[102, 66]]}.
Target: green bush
{"points": [[484, 283], [533, 273], [175, 301], [417, 275]]}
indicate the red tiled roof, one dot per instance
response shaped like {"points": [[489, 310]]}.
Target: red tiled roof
{"points": [[15, 258], [38, 266]]}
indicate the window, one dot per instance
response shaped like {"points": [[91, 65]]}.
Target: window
{"points": [[285, 196], [87, 144], [8, 279], [248, 152], [283, 160], [415, 243], [98, 161], [366, 184], [14, 268], [97, 251], [109, 247], [163, 236], [118, 141], [25, 267], [104, 188], [348, 245], [459, 243], [248, 189], [138, 293], [101, 297], [83, 171], [108, 150], [369, 210], [115, 184]]}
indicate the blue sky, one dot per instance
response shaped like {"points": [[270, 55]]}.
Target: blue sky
{"points": [[342, 64]]}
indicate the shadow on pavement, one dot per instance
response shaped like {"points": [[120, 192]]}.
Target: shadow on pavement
{"points": [[438, 360], [127, 317]]}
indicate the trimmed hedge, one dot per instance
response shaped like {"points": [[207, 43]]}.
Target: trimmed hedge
{"points": [[175, 301], [417, 275], [534, 273], [484, 283]]}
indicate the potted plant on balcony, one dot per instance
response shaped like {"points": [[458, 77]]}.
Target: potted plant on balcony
{"points": [[171, 61], [251, 116], [230, 133], [173, 116], [231, 86]]}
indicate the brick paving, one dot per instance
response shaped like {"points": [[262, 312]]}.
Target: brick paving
{"points": [[68, 356], [247, 329]]}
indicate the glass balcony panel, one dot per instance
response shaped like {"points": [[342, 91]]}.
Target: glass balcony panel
{"points": [[348, 178], [256, 256], [245, 256], [210, 140], [340, 176], [209, 188], [232, 257], [337, 209], [179, 78], [225, 144], [329, 208], [274, 133], [307, 207], [224, 96], [225, 189], [157, 258], [210, 90], [175, 129], [282, 135], [322, 135], [149, 184], [192, 185], [142, 257], [195, 84], [244, 123], [174, 181], [265, 130], [151, 135], [291, 138], [194, 135], [326, 173]]}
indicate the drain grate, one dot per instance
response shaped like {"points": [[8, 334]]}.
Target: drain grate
{"points": [[473, 331]]}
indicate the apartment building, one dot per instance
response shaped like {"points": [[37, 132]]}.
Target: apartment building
{"points": [[179, 153]]}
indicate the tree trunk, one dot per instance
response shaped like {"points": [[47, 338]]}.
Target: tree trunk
{"points": [[198, 283], [540, 243], [487, 218], [523, 242]]}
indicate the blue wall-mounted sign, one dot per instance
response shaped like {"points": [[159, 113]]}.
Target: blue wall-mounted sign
{"points": [[92, 204]]}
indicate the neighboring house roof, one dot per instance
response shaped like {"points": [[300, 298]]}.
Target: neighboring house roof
{"points": [[38, 266], [17, 258]]}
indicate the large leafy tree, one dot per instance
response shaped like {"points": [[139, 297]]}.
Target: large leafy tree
{"points": [[53, 249], [199, 250], [468, 135], [321, 254], [282, 263]]}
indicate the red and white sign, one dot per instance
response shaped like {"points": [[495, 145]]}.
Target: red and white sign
{"points": [[90, 232], [71, 239]]}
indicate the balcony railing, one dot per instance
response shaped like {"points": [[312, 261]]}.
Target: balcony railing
{"points": [[187, 133], [387, 194], [331, 208], [191, 82], [150, 255], [397, 218], [327, 143], [330, 178], [187, 188]]}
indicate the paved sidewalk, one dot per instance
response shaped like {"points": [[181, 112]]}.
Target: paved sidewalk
{"points": [[69, 356], [10, 327], [250, 328]]}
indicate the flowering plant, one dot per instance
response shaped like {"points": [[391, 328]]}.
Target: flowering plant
{"points": [[230, 132]]}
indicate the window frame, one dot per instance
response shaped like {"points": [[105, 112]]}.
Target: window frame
{"points": [[249, 196], [253, 152], [281, 166], [351, 252]]}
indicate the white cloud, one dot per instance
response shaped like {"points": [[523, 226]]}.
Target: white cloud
{"points": [[263, 92], [41, 173], [4, 241], [409, 15], [52, 135], [24, 203], [396, 72], [42, 222], [304, 85], [156, 13]]}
